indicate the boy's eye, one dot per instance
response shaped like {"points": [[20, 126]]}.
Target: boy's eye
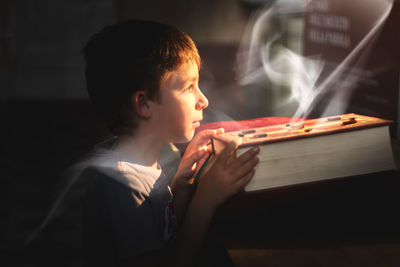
{"points": [[190, 88]]}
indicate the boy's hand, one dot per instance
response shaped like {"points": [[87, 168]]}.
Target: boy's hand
{"points": [[194, 156], [225, 175], [201, 142]]}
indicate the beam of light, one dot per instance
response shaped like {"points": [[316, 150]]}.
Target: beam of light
{"points": [[102, 160]]}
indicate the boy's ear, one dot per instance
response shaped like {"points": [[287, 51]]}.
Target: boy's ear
{"points": [[141, 104]]}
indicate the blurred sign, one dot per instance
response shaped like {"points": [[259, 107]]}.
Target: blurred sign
{"points": [[361, 37]]}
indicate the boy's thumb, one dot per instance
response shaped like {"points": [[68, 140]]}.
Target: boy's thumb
{"points": [[195, 157], [193, 161]]}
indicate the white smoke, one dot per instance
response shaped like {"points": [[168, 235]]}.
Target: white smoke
{"points": [[263, 57]]}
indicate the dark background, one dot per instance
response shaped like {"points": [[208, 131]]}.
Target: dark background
{"points": [[48, 124]]}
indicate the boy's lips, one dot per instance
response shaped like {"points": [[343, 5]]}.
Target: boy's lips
{"points": [[197, 123]]}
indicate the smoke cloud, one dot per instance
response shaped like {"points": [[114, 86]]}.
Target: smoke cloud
{"points": [[263, 56]]}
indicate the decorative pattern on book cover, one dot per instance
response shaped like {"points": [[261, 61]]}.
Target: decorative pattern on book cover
{"points": [[303, 128]]}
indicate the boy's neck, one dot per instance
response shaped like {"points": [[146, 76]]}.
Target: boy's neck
{"points": [[144, 149]]}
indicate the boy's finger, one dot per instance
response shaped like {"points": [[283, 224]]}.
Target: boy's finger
{"points": [[242, 159], [227, 151], [245, 179], [201, 161], [196, 156], [204, 136], [212, 132], [245, 168], [220, 130]]}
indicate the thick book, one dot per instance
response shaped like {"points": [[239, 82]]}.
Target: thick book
{"points": [[311, 150]]}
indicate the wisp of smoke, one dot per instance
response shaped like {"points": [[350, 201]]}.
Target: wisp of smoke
{"points": [[262, 56]]}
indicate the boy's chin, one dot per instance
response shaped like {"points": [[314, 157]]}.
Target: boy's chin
{"points": [[185, 138]]}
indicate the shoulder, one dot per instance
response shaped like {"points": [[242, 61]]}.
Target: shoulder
{"points": [[96, 177]]}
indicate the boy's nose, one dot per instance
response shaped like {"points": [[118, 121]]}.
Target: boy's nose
{"points": [[202, 101]]}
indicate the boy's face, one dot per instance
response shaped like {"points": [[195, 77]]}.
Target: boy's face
{"points": [[182, 104]]}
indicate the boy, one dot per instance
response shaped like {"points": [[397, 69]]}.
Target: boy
{"points": [[142, 78]]}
